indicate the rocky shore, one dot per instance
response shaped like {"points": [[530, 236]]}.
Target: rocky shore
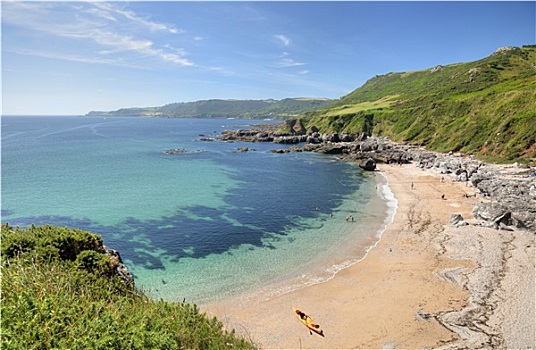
{"points": [[507, 192]]}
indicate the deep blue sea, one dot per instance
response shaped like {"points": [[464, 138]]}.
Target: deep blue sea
{"points": [[201, 225]]}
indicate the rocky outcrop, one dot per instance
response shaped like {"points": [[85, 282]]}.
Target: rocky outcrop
{"points": [[510, 193], [368, 165], [294, 126], [122, 270], [290, 139]]}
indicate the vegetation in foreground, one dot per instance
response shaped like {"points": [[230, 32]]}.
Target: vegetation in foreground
{"points": [[59, 290], [486, 107]]}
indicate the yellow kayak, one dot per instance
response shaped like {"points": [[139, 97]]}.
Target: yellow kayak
{"points": [[308, 322]]}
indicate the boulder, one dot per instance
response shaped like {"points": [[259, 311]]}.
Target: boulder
{"points": [[462, 176], [493, 213], [331, 138], [313, 129], [456, 220], [514, 199], [313, 139], [368, 164], [347, 137]]}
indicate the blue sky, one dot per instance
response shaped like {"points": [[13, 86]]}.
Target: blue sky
{"points": [[73, 57]]}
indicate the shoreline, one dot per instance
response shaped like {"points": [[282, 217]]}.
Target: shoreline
{"points": [[326, 266], [424, 284]]}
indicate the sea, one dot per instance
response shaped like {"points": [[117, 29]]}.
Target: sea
{"points": [[193, 217]]}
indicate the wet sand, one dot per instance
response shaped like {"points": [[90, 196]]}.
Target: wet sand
{"points": [[425, 284]]}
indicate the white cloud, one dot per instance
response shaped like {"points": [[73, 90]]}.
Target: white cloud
{"points": [[75, 58], [288, 62], [110, 9], [284, 61], [283, 39], [114, 30]]}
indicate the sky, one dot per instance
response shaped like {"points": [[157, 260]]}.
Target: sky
{"points": [[69, 58]]}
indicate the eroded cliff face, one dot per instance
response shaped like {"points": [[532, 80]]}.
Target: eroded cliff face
{"points": [[122, 270]]}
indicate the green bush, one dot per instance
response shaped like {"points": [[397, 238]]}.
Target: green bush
{"points": [[95, 262], [58, 303], [67, 242]]}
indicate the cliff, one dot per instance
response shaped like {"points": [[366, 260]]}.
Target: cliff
{"points": [[486, 107]]}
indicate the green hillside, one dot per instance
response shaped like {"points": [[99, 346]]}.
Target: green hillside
{"points": [[59, 291], [241, 109], [486, 107]]}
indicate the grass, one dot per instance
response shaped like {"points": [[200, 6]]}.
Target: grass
{"points": [[384, 102], [51, 301], [486, 107]]}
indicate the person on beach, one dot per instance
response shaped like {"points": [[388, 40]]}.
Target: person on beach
{"points": [[412, 185]]}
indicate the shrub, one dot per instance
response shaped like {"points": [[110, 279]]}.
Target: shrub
{"points": [[95, 262], [51, 302]]}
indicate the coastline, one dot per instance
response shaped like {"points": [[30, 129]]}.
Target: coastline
{"points": [[423, 285]]}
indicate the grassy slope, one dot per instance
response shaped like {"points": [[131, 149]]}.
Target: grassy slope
{"points": [[59, 291], [246, 109], [486, 107]]}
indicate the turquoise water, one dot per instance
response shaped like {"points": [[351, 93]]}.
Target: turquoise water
{"points": [[202, 225]]}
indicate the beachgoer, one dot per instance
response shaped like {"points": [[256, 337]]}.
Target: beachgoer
{"points": [[412, 185], [443, 196]]}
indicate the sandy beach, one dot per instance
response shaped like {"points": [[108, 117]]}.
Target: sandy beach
{"points": [[424, 285]]}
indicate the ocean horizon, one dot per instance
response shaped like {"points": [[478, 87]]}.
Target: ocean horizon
{"points": [[194, 220]]}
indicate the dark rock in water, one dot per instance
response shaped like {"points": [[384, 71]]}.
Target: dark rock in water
{"points": [[312, 147], [181, 151], [280, 151], [122, 270], [368, 165], [456, 220], [332, 149]]}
